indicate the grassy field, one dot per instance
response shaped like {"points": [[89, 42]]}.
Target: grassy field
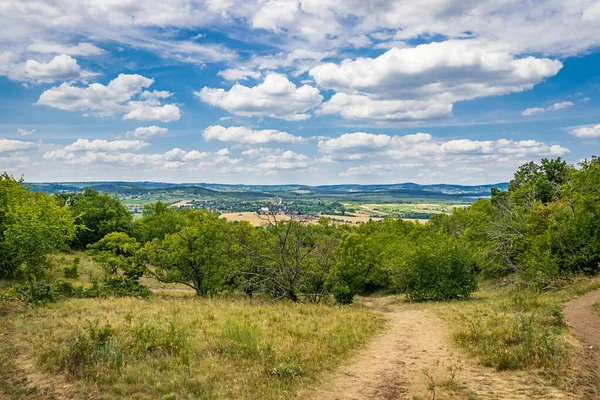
{"points": [[514, 329], [173, 345]]}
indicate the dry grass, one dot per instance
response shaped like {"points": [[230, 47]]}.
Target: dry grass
{"points": [[237, 348], [515, 329]]}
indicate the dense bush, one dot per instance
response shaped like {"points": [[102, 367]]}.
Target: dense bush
{"points": [[119, 286], [435, 268]]}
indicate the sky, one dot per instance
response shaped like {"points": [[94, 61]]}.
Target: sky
{"points": [[296, 91]]}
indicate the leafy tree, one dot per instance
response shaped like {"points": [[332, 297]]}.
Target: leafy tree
{"points": [[195, 256], [117, 254], [158, 220], [360, 261], [99, 214], [31, 226]]}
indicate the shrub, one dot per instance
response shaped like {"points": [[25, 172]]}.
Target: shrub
{"points": [[34, 293], [89, 351], [73, 270], [118, 286], [170, 340], [436, 268]]}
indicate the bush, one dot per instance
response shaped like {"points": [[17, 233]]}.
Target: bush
{"points": [[436, 268], [34, 293], [73, 270], [93, 348], [118, 286]]}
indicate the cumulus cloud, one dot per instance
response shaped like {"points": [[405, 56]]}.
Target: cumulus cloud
{"points": [[424, 81], [115, 98], [276, 97], [172, 159], [584, 132], [242, 134], [430, 158], [237, 74], [554, 107], [61, 67], [144, 132], [354, 141], [361, 145], [350, 106], [285, 161], [8, 145], [105, 145], [143, 111]]}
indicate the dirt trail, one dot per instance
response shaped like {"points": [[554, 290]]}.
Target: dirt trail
{"points": [[391, 366], [585, 324]]}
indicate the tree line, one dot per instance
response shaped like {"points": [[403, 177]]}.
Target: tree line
{"points": [[545, 228]]}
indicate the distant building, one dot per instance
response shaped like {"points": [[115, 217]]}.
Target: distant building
{"points": [[264, 210]]}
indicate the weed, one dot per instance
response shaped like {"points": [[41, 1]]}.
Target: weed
{"points": [[91, 351], [430, 383]]}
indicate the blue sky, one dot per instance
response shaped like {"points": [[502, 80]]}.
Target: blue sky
{"points": [[296, 91]]}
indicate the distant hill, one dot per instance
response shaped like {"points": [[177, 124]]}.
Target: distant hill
{"points": [[373, 193]]}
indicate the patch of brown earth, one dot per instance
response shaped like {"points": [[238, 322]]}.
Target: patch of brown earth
{"points": [[585, 325]]}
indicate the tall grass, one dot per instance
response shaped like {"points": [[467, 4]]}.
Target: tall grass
{"points": [[187, 347], [517, 329]]}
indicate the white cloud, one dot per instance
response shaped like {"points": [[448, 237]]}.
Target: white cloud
{"points": [[350, 106], [354, 141], [242, 134], [237, 74], [61, 67], [424, 81], [25, 132], [553, 107], [584, 132], [80, 49], [423, 146], [172, 159], [105, 145], [276, 97], [533, 111], [143, 111], [275, 14], [144, 132], [8, 145], [287, 160], [114, 98]]}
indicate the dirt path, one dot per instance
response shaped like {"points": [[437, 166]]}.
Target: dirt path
{"points": [[585, 324], [391, 366]]}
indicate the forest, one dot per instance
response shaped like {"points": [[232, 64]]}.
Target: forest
{"points": [[544, 229]]}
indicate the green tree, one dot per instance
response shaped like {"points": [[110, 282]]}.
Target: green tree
{"points": [[360, 261], [158, 220], [99, 214], [31, 226], [195, 256]]}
